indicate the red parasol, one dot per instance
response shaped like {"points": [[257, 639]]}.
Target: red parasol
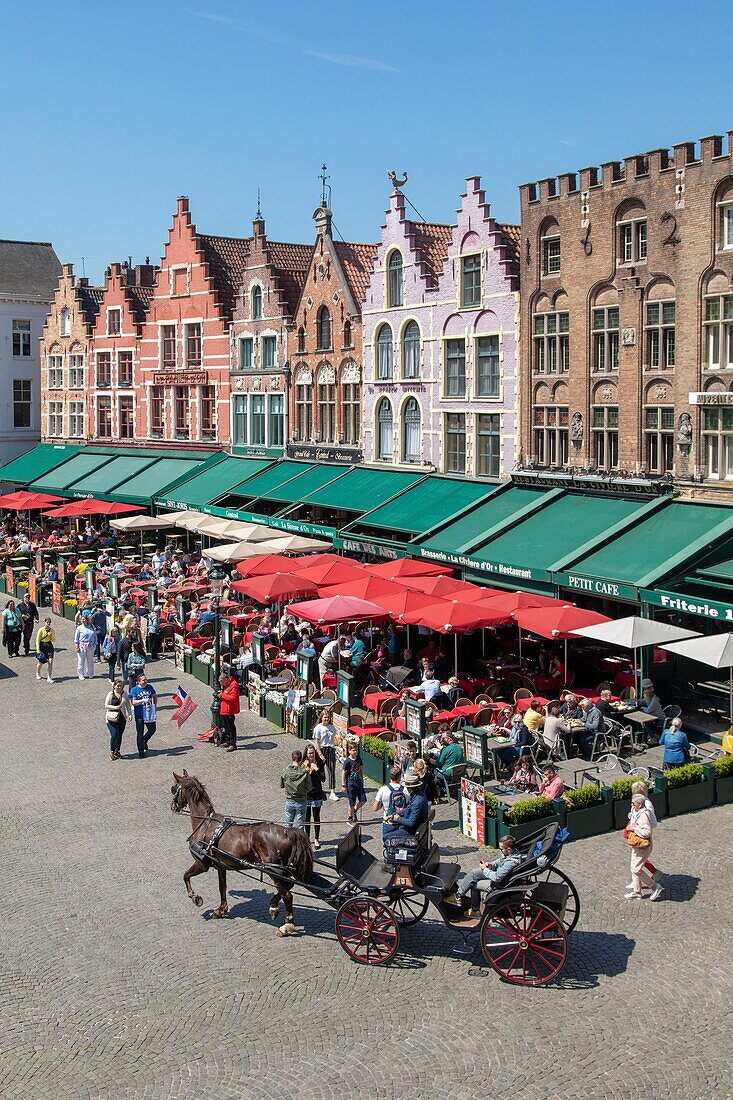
{"points": [[92, 508], [558, 621], [403, 602], [450, 617], [338, 609], [475, 594], [330, 573], [365, 588], [263, 564], [440, 587], [305, 561], [275, 587], [516, 601], [407, 567], [23, 500]]}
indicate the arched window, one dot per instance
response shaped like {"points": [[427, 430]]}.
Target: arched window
{"points": [[384, 353], [65, 322], [347, 334], [256, 303], [323, 329], [411, 351], [385, 431], [301, 340], [394, 280], [411, 443]]}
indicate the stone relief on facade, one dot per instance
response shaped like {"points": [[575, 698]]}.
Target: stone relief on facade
{"points": [[350, 373], [326, 375], [303, 376], [684, 430], [577, 428]]}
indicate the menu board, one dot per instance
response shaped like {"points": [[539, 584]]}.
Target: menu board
{"points": [[473, 811], [178, 652], [32, 587], [9, 580], [414, 719], [341, 725], [56, 598], [256, 689], [473, 748]]}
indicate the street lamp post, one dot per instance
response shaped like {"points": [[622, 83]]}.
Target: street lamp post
{"points": [[216, 580]]}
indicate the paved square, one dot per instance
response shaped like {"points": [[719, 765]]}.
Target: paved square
{"points": [[114, 985]]}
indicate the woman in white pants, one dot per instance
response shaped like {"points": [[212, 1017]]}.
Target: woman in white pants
{"points": [[85, 641]]}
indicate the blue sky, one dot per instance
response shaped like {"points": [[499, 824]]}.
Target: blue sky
{"points": [[109, 111]]}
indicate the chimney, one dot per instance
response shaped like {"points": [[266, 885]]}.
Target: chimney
{"points": [[67, 269], [144, 274], [82, 282], [258, 227]]}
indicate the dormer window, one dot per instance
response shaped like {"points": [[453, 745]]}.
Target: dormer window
{"points": [[114, 322], [394, 280], [65, 322], [256, 297]]}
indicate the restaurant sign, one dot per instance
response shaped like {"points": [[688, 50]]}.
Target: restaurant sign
{"points": [[688, 605], [291, 526], [322, 454], [711, 397], [511, 572], [597, 586], [181, 378], [359, 546]]}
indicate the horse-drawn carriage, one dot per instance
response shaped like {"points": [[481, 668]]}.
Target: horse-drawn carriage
{"points": [[523, 924]]}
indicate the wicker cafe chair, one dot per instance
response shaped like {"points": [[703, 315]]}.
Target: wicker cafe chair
{"points": [[482, 699], [167, 634], [463, 701], [522, 693], [483, 717]]}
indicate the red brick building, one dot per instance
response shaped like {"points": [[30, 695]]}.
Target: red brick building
{"points": [[114, 376], [325, 349], [183, 390], [627, 317], [264, 319], [65, 353]]}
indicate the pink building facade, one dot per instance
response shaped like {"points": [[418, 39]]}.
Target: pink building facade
{"points": [[440, 342]]}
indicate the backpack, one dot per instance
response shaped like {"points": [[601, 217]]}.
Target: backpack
{"points": [[397, 800], [109, 646]]}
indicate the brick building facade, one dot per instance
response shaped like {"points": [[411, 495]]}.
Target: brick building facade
{"points": [[114, 375], [182, 396], [440, 342], [262, 328], [65, 353], [627, 317], [325, 347]]}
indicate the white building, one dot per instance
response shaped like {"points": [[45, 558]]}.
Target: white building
{"points": [[29, 272]]}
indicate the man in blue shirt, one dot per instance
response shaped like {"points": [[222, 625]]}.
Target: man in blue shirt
{"points": [[207, 616], [406, 821]]}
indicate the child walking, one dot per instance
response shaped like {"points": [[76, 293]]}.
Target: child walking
{"points": [[352, 781]]}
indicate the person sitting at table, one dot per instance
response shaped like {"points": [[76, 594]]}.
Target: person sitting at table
{"points": [[604, 703], [357, 649], [558, 671], [450, 755], [305, 645], [555, 730], [652, 704], [552, 785], [430, 651], [362, 676], [442, 664], [676, 745], [523, 776], [289, 636], [570, 709], [432, 691], [534, 719], [206, 616], [382, 660], [454, 689], [593, 724], [520, 738]]}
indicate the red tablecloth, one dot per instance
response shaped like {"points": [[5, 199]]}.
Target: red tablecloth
{"points": [[594, 696], [524, 704], [374, 700], [371, 729], [399, 725], [458, 712], [329, 680], [471, 685]]}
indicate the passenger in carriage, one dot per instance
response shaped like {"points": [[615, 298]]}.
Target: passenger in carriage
{"points": [[406, 821], [487, 875]]}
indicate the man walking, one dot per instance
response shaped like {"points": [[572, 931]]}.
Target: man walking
{"points": [[228, 708], [145, 702], [28, 618], [85, 642], [296, 782], [98, 622]]}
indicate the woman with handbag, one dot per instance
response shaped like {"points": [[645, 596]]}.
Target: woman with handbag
{"points": [[117, 710], [11, 629], [639, 837], [45, 649]]}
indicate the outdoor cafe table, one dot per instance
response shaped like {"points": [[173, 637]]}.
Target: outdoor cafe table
{"points": [[524, 704], [468, 710], [370, 729], [374, 699], [494, 744]]}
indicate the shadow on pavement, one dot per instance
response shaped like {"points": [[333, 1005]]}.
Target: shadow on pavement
{"points": [[678, 888]]}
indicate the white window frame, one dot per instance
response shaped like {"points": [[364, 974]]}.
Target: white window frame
{"points": [[718, 443], [76, 371], [718, 333], [76, 419], [55, 419], [114, 311], [660, 336], [240, 417], [55, 371], [23, 328], [633, 240], [551, 345], [606, 339], [551, 260], [726, 226], [163, 325], [176, 269], [477, 363], [126, 397]]}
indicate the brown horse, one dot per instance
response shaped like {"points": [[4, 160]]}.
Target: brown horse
{"points": [[260, 843]]}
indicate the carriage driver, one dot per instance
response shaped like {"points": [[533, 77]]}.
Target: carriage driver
{"points": [[407, 820]]}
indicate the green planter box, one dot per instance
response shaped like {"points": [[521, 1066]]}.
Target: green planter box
{"points": [[3, 589], [306, 722], [590, 821], [683, 800], [724, 790], [525, 828], [188, 663], [201, 671], [69, 611], [491, 829], [376, 767], [275, 713]]}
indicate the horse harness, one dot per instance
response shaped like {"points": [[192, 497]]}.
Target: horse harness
{"points": [[203, 849]]}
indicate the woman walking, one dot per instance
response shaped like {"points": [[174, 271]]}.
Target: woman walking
{"points": [[316, 796], [45, 649], [639, 837], [324, 737], [11, 628], [116, 713], [135, 664], [110, 651]]}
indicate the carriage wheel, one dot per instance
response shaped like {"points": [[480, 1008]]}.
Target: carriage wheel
{"points": [[572, 905], [524, 942], [408, 906], [368, 931]]}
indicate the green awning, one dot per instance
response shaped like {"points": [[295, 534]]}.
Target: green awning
{"points": [[262, 484], [424, 506], [67, 476], [360, 489], [309, 481], [545, 537], [457, 537], [113, 475], [152, 481], [660, 544], [212, 483], [36, 463]]}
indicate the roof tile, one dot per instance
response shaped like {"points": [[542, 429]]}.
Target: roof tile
{"points": [[357, 261], [227, 258]]}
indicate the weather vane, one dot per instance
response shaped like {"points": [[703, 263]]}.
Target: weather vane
{"points": [[325, 186], [397, 183], [259, 212]]}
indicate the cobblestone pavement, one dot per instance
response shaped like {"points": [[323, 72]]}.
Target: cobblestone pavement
{"points": [[113, 985]]}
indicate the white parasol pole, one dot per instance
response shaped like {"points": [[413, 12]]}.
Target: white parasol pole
{"points": [[566, 657], [455, 657]]}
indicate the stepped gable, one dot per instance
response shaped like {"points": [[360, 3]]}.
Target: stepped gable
{"points": [[357, 262], [431, 240], [227, 258]]}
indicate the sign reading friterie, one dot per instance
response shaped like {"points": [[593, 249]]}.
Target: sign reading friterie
{"points": [[689, 605]]}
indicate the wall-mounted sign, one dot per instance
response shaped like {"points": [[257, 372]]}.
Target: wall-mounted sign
{"points": [[314, 453], [512, 571], [181, 378], [711, 397], [595, 586], [688, 605], [359, 546]]}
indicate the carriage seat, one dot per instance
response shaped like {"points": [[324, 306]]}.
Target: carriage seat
{"points": [[410, 850], [437, 878]]}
